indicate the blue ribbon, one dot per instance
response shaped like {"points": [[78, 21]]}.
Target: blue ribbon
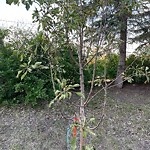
{"points": [[68, 137]]}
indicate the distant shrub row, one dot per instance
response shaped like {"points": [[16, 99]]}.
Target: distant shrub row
{"points": [[37, 87], [34, 84]]}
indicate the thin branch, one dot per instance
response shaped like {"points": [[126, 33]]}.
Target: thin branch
{"points": [[66, 118], [100, 54], [108, 84], [71, 55], [52, 77], [93, 78], [105, 100], [98, 124]]}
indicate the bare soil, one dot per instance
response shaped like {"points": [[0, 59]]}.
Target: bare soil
{"points": [[126, 125], [137, 94]]}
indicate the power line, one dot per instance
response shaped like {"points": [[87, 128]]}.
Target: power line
{"points": [[12, 21], [18, 24]]}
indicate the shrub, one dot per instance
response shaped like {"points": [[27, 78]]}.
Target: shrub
{"points": [[31, 90], [139, 69], [109, 61], [112, 64], [33, 87], [9, 64], [70, 70]]}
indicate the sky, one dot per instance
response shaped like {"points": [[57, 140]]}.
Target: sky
{"points": [[13, 14]]}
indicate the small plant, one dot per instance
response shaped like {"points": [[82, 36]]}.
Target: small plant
{"points": [[64, 92]]}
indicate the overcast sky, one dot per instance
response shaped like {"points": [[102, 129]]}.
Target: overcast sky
{"points": [[14, 12]]}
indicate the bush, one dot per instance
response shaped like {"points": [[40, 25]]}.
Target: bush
{"points": [[31, 90], [112, 65], [9, 65], [109, 61], [33, 87], [139, 66], [69, 68]]}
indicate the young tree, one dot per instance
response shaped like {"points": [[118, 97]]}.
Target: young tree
{"points": [[68, 22], [65, 23]]}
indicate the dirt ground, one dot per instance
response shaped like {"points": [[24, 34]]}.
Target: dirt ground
{"points": [[132, 93], [126, 125]]}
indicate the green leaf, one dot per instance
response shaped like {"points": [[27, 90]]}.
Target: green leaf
{"points": [[36, 65], [69, 95], [80, 94], [39, 26], [76, 85], [89, 147], [30, 59], [84, 134], [24, 65], [43, 67], [73, 143], [57, 92], [16, 2], [62, 96], [30, 2], [22, 77], [9, 2], [90, 131], [147, 68], [58, 81], [21, 57], [27, 6], [63, 83], [12, 1], [92, 120], [29, 70], [51, 103], [19, 72]]}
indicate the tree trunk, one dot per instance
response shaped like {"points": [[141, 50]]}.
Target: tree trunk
{"points": [[122, 51], [82, 113]]}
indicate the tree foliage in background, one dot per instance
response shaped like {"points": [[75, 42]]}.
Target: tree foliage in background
{"points": [[140, 27], [14, 90], [9, 64], [26, 54], [119, 19]]}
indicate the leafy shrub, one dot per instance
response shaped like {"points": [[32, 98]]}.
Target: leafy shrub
{"points": [[14, 90], [139, 68], [32, 89], [35, 86], [109, 61], [70, 70], [9, 64], [112, 64]]}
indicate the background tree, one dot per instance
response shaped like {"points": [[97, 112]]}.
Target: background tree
{"points": [[118, 17], [140, 26]]}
